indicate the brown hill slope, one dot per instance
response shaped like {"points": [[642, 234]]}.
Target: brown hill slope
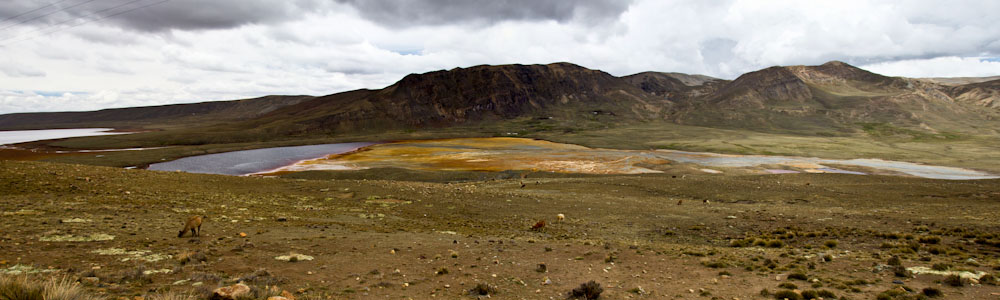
{"points": [[986, 94], [559, 91], [834, 95], [153, 116]]}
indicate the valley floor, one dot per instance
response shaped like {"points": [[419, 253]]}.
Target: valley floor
{"points": [[639, 236]]}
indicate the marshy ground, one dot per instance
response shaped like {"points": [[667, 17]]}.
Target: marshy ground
{"points": [[438, 234]]}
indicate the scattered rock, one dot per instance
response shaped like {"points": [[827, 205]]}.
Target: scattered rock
{"points": [[232, 292], [90, 281], [72, 238], [294, 257]]}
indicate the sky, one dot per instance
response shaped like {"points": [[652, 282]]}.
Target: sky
{"points": [[70, 55]]}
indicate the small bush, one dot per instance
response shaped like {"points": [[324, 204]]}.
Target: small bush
{"points": [[941, 267], [441, 271], [900, 271], [483, 289], [788, 285], [830, 244], [20, 289], [775, 244], [764, 292], [715, 264], [589, 290], [988, 279], [955, 280], [929, 239], [787, 294], [932, 292], [192, 257], [798, 276], [135, 275], [53, 289], [827, 258], [895, 261]]}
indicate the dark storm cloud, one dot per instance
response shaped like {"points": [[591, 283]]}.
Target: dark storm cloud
{"points": [[160, 15], [157, 15], [439, 12]]}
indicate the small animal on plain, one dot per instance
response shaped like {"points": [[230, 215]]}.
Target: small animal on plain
{"points": [[194, 225], [679, 202], [560, 217], [538, 226]]}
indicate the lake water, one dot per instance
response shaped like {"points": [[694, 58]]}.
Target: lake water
{"points": [[500, 154], [253, 161], [21, 136]]}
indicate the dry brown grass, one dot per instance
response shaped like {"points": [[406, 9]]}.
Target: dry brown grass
{"points": [[24, 288]]}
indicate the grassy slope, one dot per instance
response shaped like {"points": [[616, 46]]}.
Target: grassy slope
{"points": [[623, 231]]}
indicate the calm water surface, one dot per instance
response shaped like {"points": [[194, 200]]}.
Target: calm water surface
{"points": [[253, 161]]}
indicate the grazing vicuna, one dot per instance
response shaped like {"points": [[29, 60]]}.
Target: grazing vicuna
{"points": [[538, 226], [194, 225]]}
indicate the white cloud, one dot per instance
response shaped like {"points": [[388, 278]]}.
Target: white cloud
{"points": [[337, 47], [950, 66]]}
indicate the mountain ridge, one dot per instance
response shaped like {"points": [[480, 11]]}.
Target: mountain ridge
{"points": [[834, 96]]}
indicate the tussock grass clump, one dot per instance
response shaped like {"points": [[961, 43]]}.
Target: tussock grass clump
{"points": [[787, 294], [22, 288], [798, 276], [589, 290], [192, 257], [788, 285], [818, 294], [135, 275], [955, 280], [988, 279], [941, 267], [895, 261], [932, 292], [900, 271], [715, 264], [262, 277], [830, 243], [483, 289], [929, 239]]}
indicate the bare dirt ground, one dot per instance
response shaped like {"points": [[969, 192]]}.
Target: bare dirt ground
{"points": [[643, 236]]}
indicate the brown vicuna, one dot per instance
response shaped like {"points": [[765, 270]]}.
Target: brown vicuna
{"points": [[538, 226], [194, 225]]}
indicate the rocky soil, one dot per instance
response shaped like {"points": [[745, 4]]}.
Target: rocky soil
{"points": [[644, 236]]}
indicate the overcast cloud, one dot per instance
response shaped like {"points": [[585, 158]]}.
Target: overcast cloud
{"points": [[93, 54]]}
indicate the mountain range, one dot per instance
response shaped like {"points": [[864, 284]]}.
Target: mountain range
{"points": [[831, 97]]}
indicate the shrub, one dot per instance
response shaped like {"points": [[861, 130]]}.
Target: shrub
{"points": [[900, 271], [895, 261], [932, 292], [787, 294], [798, 276], [788, 285], [715, 264], [20, 289], [955, 280], [483, 289], [54, 289], [135, 275], [929, 239], [830, 244], [941, 267], [589, 290], [988, 279], [775, 244]]}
